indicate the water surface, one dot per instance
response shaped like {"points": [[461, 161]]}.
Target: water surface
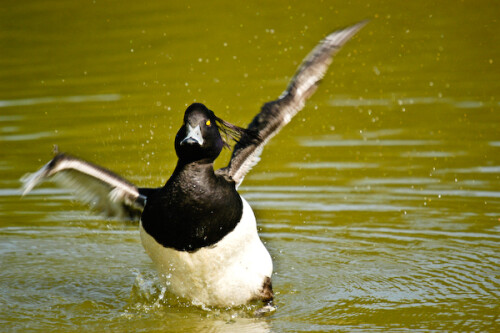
{"points": [[379, 203]]}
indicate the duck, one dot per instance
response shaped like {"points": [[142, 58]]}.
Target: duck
{"points": [[200, 233]]}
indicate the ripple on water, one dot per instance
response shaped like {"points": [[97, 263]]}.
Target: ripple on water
{"points": [[25, 137], [358, 272], [314, 198], [350, 266], [417, 100], [335, 142], [59, 99]]}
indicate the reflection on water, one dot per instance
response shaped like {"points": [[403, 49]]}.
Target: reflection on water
{"points": [[379, 203]]}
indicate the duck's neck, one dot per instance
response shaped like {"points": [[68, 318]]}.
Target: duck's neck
{"points": [[205, 165], [194, 172]]}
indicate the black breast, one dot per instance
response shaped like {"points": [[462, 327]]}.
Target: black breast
{"points": [[195, 209]]}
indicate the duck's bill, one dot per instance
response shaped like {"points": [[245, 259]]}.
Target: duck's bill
{"points": [[193, 136]]}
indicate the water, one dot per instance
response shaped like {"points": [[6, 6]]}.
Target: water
{"points": [[379, 203]]}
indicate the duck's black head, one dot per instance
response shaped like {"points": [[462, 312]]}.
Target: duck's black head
{"points": [[199, 138]]}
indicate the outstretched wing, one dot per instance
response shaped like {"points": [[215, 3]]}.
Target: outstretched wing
{"points": [[276, 114], [104, 190]]}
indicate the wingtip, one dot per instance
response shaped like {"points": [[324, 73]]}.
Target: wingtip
{"points": [[360, 25], [364, 22], [348, 31], [25, 188], [30, 180]]}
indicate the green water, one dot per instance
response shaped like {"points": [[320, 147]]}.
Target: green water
{"points": [[379, 203]]}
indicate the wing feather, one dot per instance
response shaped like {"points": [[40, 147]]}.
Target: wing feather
{"points": [[107, 192], [276, 114]]}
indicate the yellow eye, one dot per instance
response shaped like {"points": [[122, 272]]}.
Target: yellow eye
{"points": [[208, 123]]}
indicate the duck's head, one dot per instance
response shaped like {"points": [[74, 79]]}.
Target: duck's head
{"points": [[203, 135], [199, 137]]}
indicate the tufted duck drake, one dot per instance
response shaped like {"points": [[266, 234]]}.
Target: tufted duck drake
{"points": [[199, 232]]}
